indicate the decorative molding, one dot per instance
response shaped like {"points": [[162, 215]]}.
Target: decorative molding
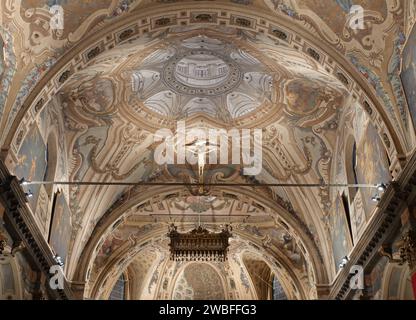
{"points": [[21, 224], [384, 224]]}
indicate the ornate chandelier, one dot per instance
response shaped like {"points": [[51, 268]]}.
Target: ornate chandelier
{"points": [[199, 244]]}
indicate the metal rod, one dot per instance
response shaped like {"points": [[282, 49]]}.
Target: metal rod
{"points": [[253, 185], [266, 282], [202, 215]]}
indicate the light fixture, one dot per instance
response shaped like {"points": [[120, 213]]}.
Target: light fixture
{"points": [[199, 244], [58, 260], [23, 182], [381, 187], [376, 198], [344, 262]]}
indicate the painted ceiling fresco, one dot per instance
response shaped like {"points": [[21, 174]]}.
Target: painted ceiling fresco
{"points": [[133, 244], [373, 51], [122, 69], [191, 286], [110, 125]]}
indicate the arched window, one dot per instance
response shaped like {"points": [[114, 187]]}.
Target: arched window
{"points": [[277, 290], [346, 205], [51, 162], [354, 163], [351, 166], [119, 290]]}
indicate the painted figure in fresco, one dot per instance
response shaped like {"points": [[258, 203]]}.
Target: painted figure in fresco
{"points": [[408, 74], [94, 95], [410, 67], [341, 241], [31, 161], [61, 227], [313, 103], [372, 165], [410, 63], [303, 104], [110, 245]]}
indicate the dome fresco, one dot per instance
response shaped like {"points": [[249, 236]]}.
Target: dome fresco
{"points": [[199, 74]]}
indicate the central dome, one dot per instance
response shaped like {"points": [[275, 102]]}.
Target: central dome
{"points": [[201, 75], [201, 70]]}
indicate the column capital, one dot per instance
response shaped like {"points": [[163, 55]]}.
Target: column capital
{"points": [[408, 249]]}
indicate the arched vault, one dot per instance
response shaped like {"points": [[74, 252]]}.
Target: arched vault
{"points": [[103, 89]]}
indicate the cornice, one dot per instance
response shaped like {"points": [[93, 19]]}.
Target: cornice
{"points": [[384, 224], [20, 223]]}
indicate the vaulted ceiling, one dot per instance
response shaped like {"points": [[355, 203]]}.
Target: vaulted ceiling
{"points": [[122, 69]]}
